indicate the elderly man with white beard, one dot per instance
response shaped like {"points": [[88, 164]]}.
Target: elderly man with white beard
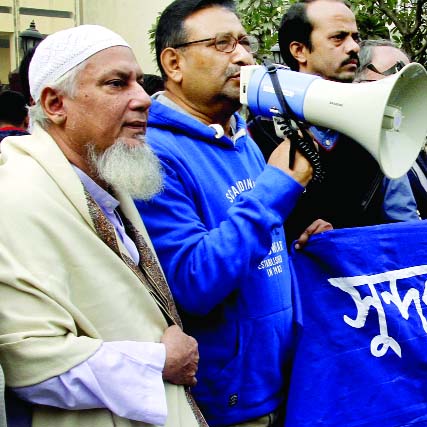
{"points": [[89, 332]]}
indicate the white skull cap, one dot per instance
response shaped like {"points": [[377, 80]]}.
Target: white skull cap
{"points": [[62, 51]]}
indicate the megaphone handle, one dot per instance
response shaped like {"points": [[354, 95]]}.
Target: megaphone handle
{"points": [[286, 128], [302, 142], [305, 143]]}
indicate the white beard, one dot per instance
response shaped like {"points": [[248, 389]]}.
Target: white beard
{"points": [[135, 170]]}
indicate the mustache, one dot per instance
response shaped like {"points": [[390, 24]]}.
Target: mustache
{"points": [[352, 57], [232, 71]]}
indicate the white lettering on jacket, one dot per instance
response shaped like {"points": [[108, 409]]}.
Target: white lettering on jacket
{"points": [[239, 187], [272, 264]]}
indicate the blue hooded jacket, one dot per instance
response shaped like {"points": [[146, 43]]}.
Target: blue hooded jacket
{"points": [[217, 229]]}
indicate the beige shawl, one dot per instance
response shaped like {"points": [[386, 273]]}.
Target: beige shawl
{"points": [[67, 283]]}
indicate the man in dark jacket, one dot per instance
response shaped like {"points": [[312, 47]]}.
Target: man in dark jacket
{"points": [[321, 37]]}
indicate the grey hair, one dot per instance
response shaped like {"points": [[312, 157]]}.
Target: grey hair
{"points": [[365, 54], [66, 85]]}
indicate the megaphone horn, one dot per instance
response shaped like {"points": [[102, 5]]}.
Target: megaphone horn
{"points": [[386, 117]]}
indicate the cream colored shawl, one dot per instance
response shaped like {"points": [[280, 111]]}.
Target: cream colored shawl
{"points": [[63, 290]]}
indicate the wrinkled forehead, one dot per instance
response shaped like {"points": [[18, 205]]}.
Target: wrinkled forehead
{"points": [[384, 57]]}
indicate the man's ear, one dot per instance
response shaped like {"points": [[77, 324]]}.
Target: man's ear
{"points": [[299, 52], [52, 103], [171, 63]]}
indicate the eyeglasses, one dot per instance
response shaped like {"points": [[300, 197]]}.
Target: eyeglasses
{"points": [[227, 43], [392, 70]]}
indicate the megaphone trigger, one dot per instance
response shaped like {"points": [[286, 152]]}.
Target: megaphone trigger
{"points": [[284, 126]]}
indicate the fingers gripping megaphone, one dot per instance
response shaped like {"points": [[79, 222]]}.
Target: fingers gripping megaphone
{"points": [[387, 117]]}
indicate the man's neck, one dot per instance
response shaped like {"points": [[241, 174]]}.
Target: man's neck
{"points": [[208, 116]]}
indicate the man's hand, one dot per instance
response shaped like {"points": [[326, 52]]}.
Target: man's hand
{"points": [[182, 357], [302, 171], [317, 226]]}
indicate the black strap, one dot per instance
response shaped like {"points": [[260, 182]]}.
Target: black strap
{"points": [[292, 126], [373, 188]]}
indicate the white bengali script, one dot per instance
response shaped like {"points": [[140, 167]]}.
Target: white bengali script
{"points": [[413, 296]]}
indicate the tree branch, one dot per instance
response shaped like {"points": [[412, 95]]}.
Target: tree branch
{"points": [[418, 18], [419, 52], [392, 16]]}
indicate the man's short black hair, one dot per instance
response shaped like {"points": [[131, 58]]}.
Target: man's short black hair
{"points": [[170, 29], [295, 26], [13, 109], [152, 83]]}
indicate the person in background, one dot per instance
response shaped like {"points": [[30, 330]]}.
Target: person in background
{"points": [[379, 59], [89, 332], [217, 225], [321, 37], [13, 114], [153, 84], [381, 53]]}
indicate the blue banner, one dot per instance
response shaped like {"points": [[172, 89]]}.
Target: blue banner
{"points": [[361, 311]]}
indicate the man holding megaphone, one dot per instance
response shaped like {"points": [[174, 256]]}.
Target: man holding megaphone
{"points": [[320, 38], [218, 225]]}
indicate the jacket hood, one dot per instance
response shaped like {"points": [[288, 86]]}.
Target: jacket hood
{"points": [[165, 117]]}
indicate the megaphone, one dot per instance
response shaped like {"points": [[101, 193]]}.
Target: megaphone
{"points": [[387, 117]]}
